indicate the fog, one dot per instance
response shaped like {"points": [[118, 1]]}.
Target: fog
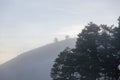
{"points": [[30, 26], [35, 64]]}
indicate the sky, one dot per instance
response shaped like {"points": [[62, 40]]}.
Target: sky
{"points": [[27, 24]]}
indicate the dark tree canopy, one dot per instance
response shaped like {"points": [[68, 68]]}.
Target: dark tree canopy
{"points": [[96, 55]]}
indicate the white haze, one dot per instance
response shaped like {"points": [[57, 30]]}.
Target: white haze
{"points": [[27, 24]]}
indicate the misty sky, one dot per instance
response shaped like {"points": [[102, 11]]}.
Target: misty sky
{"points": [[26, 24]]}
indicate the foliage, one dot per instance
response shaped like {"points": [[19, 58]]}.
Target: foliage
{"points": [[96, 55]]}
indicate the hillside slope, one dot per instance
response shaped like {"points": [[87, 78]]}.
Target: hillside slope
{"points": [[35, 64]]}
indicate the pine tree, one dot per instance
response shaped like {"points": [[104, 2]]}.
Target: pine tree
{"points": [[105, 50], [63, 68], [116, 43], [86, 45], [96, 55], [81, 62]]}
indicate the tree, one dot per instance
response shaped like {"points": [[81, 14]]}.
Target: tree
{"points": [[63, 68], [56, 40], [96, 55], [82, 59], [67, 37], [86, 45], [116, 43], [105, 51]]}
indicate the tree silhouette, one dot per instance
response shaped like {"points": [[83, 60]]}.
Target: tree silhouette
{"points": [[63, 68], [87, 46], [55, 40], [95, 56]]}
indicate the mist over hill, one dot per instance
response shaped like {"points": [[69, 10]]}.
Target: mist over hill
{"points": [[35, 64]]}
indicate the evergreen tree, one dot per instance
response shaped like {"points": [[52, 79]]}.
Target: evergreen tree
{"points": [[116, 43], [63, 68], [96, 55], [105, 51], [86, 47], [83, 62]]}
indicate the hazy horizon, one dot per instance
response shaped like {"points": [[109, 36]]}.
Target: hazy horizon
{"points": [[27, 24]]}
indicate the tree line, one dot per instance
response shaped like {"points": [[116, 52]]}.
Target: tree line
{"points": [[96, 55]]}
